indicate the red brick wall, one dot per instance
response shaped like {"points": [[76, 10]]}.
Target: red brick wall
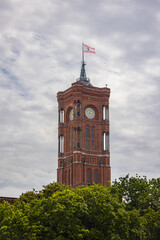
{"points": [[75, 160]]}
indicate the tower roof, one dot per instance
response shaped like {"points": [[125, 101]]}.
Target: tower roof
{"points": [[83, 77]]}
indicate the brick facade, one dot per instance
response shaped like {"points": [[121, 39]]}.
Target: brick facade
{"points": [[83, 158]]}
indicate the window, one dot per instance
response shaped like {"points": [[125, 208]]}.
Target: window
{"points": [[87, 137], [61, 144], [70, 139], [80, 137], [61, 116], [74, 137], [106, 141], [78, 108], [88, 177], [92, 138], [95, 176], [105, 113]]}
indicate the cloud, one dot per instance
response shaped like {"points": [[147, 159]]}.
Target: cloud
{"points": [[40, 45]]}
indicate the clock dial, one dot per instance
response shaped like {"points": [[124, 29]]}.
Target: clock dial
{"points": [[71, 114], [90, 113]]}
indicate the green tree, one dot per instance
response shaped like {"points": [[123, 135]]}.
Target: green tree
{"points": [[51, 188], [138, 192], [127, 210], [143, 195]]}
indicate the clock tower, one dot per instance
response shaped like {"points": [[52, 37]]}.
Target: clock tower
{"points": [[83, 134]]}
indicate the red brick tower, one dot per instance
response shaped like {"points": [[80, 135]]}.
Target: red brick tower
{"points": [[83, 134]]}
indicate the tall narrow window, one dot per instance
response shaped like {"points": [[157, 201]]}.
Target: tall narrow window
{"points": [[88, 177], [104, 113], [92, 138], [61, 116], [106, 141], [95, 176], [80, 137], [78, 108], [61, 144], [74, 138], [87, 137], [107, 113], [70, 139]]}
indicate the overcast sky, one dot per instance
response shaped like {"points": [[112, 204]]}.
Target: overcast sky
{"points": [[40, 54]]}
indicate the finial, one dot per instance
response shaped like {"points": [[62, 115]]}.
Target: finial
{"points": [[83, 77], [83, 72]]}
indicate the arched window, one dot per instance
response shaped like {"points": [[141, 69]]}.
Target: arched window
{"points": [[74, 137], [70, 139], [61, 116], [78, 108], [95, 176], [105, 141], [92, 138], [87, 137], [61, 144], [80, 137], [88, 177], [105, 113]]}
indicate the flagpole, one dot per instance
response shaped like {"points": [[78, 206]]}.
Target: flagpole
{"points": [[82, 53]]}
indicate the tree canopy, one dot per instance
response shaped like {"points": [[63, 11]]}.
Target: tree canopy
{"points": [[129, 209]]}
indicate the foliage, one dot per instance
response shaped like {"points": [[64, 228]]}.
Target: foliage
{"points": [[138, 192], [143, 195], [127, 210]]}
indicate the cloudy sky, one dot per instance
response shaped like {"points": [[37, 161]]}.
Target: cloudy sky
{"points": [[40, 54]]}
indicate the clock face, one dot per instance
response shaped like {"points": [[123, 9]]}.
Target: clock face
{"points": [[90, 113], [71, 114]]}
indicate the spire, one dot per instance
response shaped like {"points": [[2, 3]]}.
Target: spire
{"points": [[83, 77], [83, 72]]}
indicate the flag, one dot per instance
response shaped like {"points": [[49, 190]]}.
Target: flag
{"points": [[88, 49]]}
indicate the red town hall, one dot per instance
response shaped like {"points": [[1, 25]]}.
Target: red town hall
{"points": [[83, 134]]}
